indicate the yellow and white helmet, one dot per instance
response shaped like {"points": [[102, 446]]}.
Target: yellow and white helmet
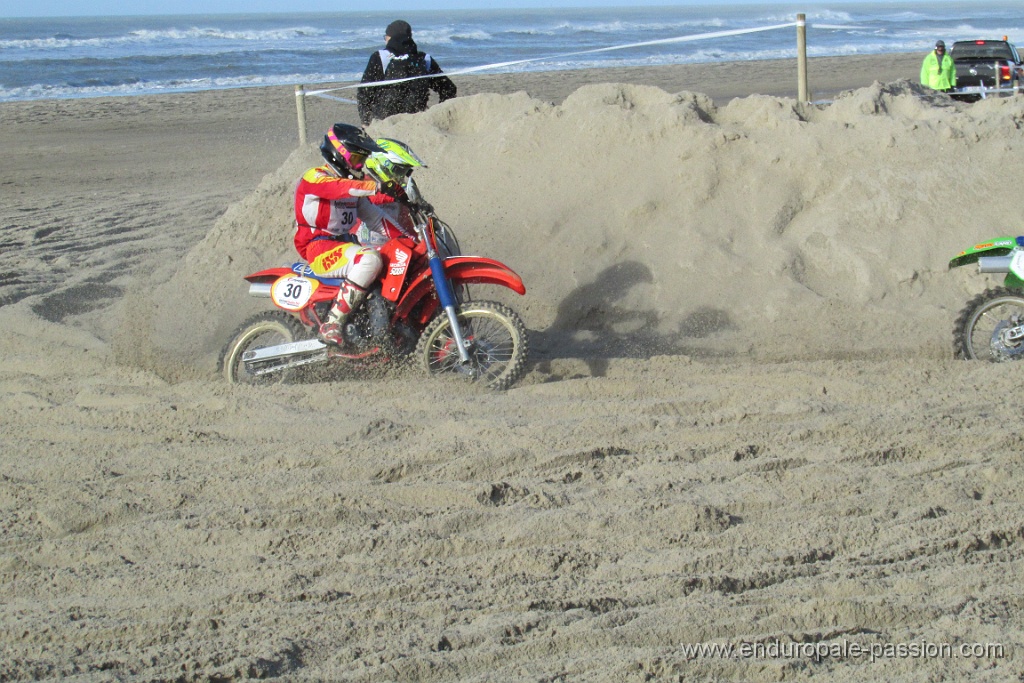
{"points": [[395, 162]]}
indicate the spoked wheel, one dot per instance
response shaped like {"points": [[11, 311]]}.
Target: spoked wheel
{"points": [[495, 339], [991, 327], [265, 329]]}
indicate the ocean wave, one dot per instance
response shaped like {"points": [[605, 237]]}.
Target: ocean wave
{"points": [[820, 16], [565, 29], [968, 32], [218, 34], [450, 35], [158, 36], [143, 87]]}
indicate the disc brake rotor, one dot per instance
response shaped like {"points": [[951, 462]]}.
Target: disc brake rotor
{"points": [[480, 357], [1007, 341]]}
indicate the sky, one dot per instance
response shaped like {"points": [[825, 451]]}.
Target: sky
{"points": [[60, 8], [63, 8]]}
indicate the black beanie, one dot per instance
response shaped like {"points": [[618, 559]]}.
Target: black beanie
{"points": [[398, 29]]}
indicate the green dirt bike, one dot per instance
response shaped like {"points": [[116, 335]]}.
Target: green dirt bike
{"points": [[991, 326]]}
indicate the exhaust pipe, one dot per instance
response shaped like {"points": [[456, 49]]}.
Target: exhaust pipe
{"points": [[260, 289], [986, 264]]}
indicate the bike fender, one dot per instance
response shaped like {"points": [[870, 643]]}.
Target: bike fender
{"points": [[477, 269], [271, 275], [999, 246], [461, 270]]}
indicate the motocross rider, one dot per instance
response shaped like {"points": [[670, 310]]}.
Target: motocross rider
{"points": [[395, 163], [331, 202]]}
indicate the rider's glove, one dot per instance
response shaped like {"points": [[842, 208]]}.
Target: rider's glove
{"points": [[394, 190]]}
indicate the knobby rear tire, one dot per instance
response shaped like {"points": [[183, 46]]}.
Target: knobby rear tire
{"points": [[263, 329]]}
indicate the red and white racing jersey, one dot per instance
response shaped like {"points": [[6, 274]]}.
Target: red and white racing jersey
{"points": [[328, 206]]}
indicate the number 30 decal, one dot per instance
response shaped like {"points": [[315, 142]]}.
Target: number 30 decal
{"points": [[292, 293]]}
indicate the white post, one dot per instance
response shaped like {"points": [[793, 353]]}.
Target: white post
{"points": [[300, 107], [801, 58]]}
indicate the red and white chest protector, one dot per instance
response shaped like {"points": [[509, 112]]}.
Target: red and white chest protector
{"points": [[326, 207]]}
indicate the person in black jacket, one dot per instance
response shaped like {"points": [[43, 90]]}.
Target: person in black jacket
{"points": [[401, 58]]}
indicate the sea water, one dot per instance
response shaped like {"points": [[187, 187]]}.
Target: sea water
{"points": [[44, 58]]}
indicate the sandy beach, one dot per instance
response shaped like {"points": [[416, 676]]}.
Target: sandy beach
{"points": [[741, 425]]}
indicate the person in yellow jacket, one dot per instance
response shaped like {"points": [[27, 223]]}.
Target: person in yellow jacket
{"points": [[938, 71]]}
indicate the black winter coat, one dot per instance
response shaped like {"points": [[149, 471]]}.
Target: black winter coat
{"points": [[380, 102]]}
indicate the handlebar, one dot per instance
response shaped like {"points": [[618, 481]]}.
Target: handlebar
{"points": [[412, 191]]}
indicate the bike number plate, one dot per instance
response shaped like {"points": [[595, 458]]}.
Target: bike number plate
{"points": [[292, 293], [1017, 264]]}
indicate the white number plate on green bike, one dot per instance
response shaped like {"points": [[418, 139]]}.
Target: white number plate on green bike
{"points": [[1017, 264]]}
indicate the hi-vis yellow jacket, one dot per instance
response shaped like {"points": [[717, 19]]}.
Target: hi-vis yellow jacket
{"points": [[935, 76]]}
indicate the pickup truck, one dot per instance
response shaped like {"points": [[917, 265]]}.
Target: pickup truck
{"points": [[986, 68]]}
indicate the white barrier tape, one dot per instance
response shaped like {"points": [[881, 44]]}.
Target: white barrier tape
{"points": [[662, 41], [323, 94]]}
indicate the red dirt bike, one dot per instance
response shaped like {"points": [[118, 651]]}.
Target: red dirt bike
{"points": [[420, 305]]}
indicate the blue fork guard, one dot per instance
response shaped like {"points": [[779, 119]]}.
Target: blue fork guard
{"points": [[441, 284]]}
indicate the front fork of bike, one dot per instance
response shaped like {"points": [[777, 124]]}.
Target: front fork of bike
{"points": [[447, 299]]}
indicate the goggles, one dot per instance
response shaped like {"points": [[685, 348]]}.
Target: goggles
{"points": [[400, 171]]}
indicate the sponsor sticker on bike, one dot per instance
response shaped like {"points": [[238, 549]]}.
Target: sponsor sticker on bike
{"points": [[1017, 264], [400, 263], [292, 293]]}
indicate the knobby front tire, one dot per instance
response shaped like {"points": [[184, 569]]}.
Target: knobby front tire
{"points": [[495, 338], [976, 332]]}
